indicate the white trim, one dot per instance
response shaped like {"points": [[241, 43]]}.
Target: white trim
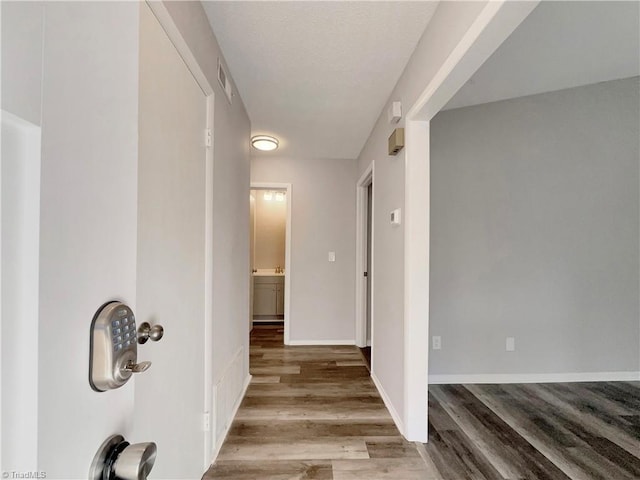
{"points": [[489, 30], [21, 274], [236, 407], [165, 20], [173, 32], [208, 334], [322, 342], [287, 252], [397, 419], [416, 278], [361, 254], [535, 378]]}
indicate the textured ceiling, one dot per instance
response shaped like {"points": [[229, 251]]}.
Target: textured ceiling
{"points": [[559, 45], [317, 74]]}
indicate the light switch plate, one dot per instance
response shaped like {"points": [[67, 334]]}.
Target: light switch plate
{"points": [[396, 217], [332, 256]]}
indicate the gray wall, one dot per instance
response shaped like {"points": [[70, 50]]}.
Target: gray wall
{"points": [[322, 220], [534, 233], [448, 25]]}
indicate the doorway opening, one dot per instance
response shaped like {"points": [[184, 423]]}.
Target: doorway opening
{"points": [[364, 265], [270, 253]]}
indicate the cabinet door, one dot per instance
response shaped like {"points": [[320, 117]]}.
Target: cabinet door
{"points": [[264, 299], [280, 300]]}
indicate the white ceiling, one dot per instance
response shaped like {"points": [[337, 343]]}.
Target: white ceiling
{"points": [[317, 74], [560, 45]]}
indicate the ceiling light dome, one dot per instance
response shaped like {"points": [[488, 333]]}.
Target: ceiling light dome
{"points": [[264, 142]]}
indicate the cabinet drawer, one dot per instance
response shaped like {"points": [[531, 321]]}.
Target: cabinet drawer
{"points": [[275, 279]]}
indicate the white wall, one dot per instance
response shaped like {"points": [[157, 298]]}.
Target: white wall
{"points": [[231, 268], [89, 193], [449, 23], [534, 221], [80, 66], [21, 48], [270, 231], [322, 200]]}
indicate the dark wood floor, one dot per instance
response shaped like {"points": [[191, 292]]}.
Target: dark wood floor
{"points": [[313, 413], [579, 431], [366, 353]]}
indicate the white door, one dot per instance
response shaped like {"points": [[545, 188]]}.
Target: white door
{"points": [[171, 255]]}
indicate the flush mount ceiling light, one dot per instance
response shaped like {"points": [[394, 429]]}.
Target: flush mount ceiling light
{"points": [[264, 142]]}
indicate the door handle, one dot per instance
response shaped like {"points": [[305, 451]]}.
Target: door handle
{"points": [[147, 332]]}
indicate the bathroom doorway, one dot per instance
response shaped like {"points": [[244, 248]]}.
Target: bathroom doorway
{"points": [[270, 218]]}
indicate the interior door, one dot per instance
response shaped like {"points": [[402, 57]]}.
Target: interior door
{"points": [[171, 254], [252, 223], [369, 254]]}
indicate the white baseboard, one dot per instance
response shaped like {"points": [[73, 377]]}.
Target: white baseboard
{"points": [[321, 342], [387, 402], [234, 411], [535, 377]]}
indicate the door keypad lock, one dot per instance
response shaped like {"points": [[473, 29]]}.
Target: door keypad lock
{"points": [[114, 346]]}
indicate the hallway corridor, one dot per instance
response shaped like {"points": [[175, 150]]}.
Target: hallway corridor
{"points": [[312, 413]]}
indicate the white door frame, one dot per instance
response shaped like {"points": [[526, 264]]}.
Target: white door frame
{"points": [[287, 251], [171, 29], [21, 274], [361, 257], [491, 28]]}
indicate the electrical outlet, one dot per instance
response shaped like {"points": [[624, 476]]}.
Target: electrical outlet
{"points": [[511, 344], [437, 342]]}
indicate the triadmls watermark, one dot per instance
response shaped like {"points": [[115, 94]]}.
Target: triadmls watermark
{"points": [[32, 475]]}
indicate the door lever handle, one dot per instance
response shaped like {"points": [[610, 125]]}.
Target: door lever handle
{"points": [[147, 332]]}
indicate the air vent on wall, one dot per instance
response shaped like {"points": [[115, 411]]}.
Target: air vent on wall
{"points": [[224, 81]]}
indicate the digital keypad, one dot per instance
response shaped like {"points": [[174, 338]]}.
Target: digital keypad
{"points": [[123, 333]]}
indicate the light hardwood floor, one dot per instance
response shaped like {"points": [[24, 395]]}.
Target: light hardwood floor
{"points": [[313, 413]]}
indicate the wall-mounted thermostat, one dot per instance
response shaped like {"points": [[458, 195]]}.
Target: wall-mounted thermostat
{"points": [[395, 112], [396, 217]]}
